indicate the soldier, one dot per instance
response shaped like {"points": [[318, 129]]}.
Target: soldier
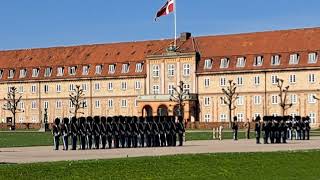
{"points": [[307, 124], [303, 128], [235, 128], [109, 132], [56, 133], [74, 132], [173, 131], [283, 127], [103, 128], [156, 133], [128, 131], [96, 131], [298, 118], [289, 125], [142, 125], [83, 133], [295, 128], [257, 129], [180, 129], [135, 131], [149, 132], [122, 129], [167, 128], [264, 130], [89, 130], [65, 132], [162, 132], [247, 126], [116, 131]]}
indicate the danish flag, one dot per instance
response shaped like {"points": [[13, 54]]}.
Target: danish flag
{"points": [[166, 9]]}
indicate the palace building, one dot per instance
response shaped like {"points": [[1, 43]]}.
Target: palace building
{"points": [[138, 78]]}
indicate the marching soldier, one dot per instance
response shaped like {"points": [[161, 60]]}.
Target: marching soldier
{"points": [[264, 130], [149, 132], [116, 131], [307, 124], [303, 128], [298, 118], [142, 125], [109, 132], [122, 129], [272, 130], [74, 132], [167, 129], [65, 132], [103, 128], [181, 130], [257, 129], [235, 128], [135, 132], [247, 126], [283, 128], [289, 125], [96, 131], [83, 133], [173, 131], [56, 133], [162, 131], [277, 130], [128, 131], [155, 127], [89, 132]]}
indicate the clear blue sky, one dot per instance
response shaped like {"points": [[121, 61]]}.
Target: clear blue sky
{"points": [[46, 23]]}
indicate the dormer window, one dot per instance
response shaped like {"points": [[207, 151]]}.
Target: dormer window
{"points": [[112, 68], [11, 73], [98, 69], [275, 60], [224, 63], [35, 72], [47, 72], [294, 58], [72, 70], [258, 61], [208, 64], [23, 73], [1, 74], [241, 61], [125, 68], [139, 67], [60, 71], [312, 58], [85, 70]]}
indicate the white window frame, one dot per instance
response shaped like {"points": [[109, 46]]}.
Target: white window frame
{"points": [[72, 87], [171, 70], [33, 88], [240, 117], [241, 62], [186, 69], [124, 103], [312, 78], [97, 86], [46, 88], [207, 118], [47, 72], [110, 86], [124, 85], [97, 104], [274, 99], [156, 89], [98, 69], [58, 88], [292, 78], [311, 99], [312, 58], [139, 67], [257, 99], [112, 68], [125, 68], [208, 64], [155, 70], [84, 87], [240, 81], [294, 58], [11, 74], [110, 103], [60, 71], [206, 82], [256, 80], [240, 101], [293, 98], [313, 117], [275, 60], [58, 104], [274, 79], [46, 104], [224, 63], [207, 101], [223, 117], [85, 70], [170, 89], [72, 70], [33, 104], [223, 81], [35, 72], [258, 61], [23, 73], [138, 85]]}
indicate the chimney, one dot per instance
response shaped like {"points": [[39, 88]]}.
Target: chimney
{"points": [[185, 36]]}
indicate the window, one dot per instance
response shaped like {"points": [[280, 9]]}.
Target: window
{"points": [[46, 88], [256, 115], [239, 81], [223, 81], [58, 104], [170, 89], [23, 73], [240, 100], [60, 71], [223, 117], [46, 104], [156, 89], [33, 104], [20, 89], [258, 61], [293, 98], [97, 103], [312, 117], [274, 99], [123, 103], [206, 101], [112, 68], [240, 117], [21, 119], [186, 69], [294, 59], [138, 85], [224, 63], [256, 80], [274, 79], [11, 73], [139, 67], [110, 103], [241, 61], [256, 100], [110, 86], [72, 70], [125, 68], [312, 58], [98, 69], [207, 118], [292, 78], [85, 70], [21, 105], [47, 72], [58, 88], [311, 98], [72, 87], [97, 86], [312, 78], [124, 86], [33, 88], [33, 119], [84, 87], [1, 74], [208, 64], [35, 72], [275, 60], [156, 70], [171, 69], [135, 102], [206, 82]]}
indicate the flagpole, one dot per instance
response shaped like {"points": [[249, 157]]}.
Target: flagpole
{"points": [[175, 23]]}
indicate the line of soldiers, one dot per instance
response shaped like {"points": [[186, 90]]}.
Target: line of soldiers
{"points": [[280, 129], [118, 131]]}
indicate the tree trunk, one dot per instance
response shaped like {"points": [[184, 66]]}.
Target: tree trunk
{"points": [[230, 118], [13, 128]]}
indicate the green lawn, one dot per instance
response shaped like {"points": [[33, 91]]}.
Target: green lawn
{"points": [[276, 165]]}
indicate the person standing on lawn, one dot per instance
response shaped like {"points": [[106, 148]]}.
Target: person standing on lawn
{"points": [[56, 133], [257, 129], [235, 128], [247, 126]]}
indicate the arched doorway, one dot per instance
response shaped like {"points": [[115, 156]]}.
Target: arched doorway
{"points": [[162, 110], [147, 111]]}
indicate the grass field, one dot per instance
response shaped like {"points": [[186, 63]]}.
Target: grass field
{"points": [[276, 165]]}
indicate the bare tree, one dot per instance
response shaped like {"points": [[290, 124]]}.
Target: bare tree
{"points": [[12, 101], [230, 97], [77, 99], [283, 95], [179, 96]]}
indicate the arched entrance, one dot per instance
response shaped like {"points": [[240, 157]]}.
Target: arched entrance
{"points": [[147, 111], [162, 110]]}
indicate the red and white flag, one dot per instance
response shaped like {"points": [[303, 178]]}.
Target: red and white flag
{"points": [[166, 9]]}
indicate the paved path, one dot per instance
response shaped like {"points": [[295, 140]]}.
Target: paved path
{"points": [[46, 154]]}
